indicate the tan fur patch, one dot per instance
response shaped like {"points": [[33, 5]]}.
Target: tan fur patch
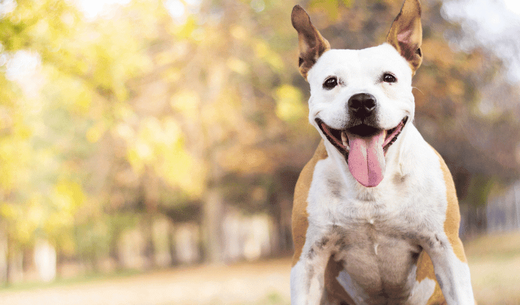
{"points": [[451, 228], [452, 222], [334, 289], [425, 270], [300, 221]]}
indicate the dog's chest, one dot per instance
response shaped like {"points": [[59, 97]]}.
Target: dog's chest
{"points": [[373, 235], [377, 258]]}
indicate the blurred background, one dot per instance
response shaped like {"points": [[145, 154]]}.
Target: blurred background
{"points": [[149, 149]]}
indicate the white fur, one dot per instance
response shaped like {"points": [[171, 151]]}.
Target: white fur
{"points": [[361, 72], [381, 226]]}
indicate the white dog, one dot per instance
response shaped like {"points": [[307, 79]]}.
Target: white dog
{"points": [[375, 216]]}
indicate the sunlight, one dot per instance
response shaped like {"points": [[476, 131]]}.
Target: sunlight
{"points": [[93, 8], [6, 7], [175, 8], [21, 65], [494, 24]]}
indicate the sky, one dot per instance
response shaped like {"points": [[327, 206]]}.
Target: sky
{"points": [[495, 24], [93, 8]]}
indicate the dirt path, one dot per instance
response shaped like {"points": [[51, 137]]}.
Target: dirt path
{"points": [[257, 283], [493, 259]]}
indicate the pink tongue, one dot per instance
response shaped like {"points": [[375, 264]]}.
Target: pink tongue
{"points": [[366, 159]]}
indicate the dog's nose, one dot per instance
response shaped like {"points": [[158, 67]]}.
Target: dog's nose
{"points": [[362, 105]]}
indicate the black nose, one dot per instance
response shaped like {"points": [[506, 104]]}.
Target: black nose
{"points": [[362, 105]]}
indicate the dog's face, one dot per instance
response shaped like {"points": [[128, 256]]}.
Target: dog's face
{"points": [[361, 100]]}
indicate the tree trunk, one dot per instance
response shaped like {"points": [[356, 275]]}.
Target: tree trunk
{"points": [[473, 220], [172, 245], [9, 256], [212, 226], [149, 249], [114, 249]]}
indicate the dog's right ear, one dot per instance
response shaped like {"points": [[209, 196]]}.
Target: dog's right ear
{"points": [[310, 41]]}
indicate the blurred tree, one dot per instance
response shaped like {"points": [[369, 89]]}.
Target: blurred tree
{"points": [[480, 148], [149, 111], [36, 201]]}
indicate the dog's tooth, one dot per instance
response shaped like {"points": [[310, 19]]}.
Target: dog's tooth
{"points": [[344, 139]]}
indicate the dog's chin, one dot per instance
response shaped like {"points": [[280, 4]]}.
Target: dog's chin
{"points": [[340, 138]]}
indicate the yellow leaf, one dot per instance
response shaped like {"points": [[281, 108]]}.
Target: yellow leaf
{"points": [[172, 75], [238, 66], [187, 29], [95, 132], [180, 169], [135, 161], [70, 194], [289, 106], [186, 102], [239, 32], [329, 6], [7, 211], [261, 49]]}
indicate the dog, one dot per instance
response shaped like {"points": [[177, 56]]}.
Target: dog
{"points": [[375, 217]]}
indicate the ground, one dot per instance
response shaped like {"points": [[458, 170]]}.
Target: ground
{"points": [[494, 263]]}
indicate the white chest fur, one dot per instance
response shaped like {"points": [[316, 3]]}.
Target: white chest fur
{"points": [[376, 233]]}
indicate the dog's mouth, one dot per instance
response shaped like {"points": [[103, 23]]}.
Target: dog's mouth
{"points": [[364, 148]]}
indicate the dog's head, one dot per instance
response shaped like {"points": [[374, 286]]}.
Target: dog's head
{"points": [[361, 100]]}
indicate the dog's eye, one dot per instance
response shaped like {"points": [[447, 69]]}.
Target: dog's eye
{"points": [[330, 83], [389, 78]]}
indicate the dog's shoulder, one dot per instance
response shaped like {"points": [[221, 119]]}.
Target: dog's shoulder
{"points": [[300, 221], [452, 221]]}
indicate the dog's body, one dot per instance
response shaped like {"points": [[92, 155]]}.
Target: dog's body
{"points": [[375, 216]]}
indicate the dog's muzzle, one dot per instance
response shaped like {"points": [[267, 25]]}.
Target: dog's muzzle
{"points": [[364, 147]]}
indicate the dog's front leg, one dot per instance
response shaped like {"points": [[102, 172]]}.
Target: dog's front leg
{"points": [[308, 274], [451, 269]]}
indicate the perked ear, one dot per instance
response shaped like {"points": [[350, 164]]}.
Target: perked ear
{"points": [[406, 33], [311, 43]]}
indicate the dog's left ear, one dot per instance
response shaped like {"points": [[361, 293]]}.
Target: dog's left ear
{"points": [[406, 33], [311, 43]]}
